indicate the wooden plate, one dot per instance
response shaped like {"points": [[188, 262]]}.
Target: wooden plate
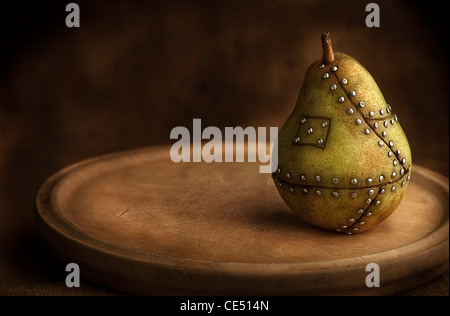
{"points": [[139, 223]]}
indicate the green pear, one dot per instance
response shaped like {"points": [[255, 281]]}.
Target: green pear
{"points": [[344, 162]]}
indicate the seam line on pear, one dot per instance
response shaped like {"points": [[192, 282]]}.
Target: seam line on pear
{"points": [[310, 186], [381, 118], [364, 118]]}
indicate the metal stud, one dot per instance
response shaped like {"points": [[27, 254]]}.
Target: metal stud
{"points": [[341, 99], [333, 87], [380, 143], [395, 163], [362, 223], [403, 183], [394, 174], [303, 121], [338, 229], [280, 184], [403, 161], [393, 188], [309, 131], [381, 111], [354, 195], [344, 81], [354, 181], [320, 141], [408, 178], [279, 170], [288, 175], [318, 192], [390, 154], [344, 226], [358, 122], [369, 214], [291, 189], [369, 181], [318, 178], [334, 68], [383, 191], [371, 114], [367, 131], [381, 178], [355, 228], [375, 125], [402, 171], [388, 110], [377, 202], [383, 133], [297, 140], [321, 66], [368, 201], [351, 219], [324, 124], [303, 177], [305, 190], [392, 122], [349, 233], [335, 180], [335, 194], [391, 144], [360, 211], [362, 104], [326, 75], [371, 192], [350, 111], [352, 93], [385, 124], [398, 152], [395, 117]]}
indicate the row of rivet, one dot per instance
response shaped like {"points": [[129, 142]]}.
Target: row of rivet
{"points": [[353, 181], [352, 93], [395, 162], [358, 121], [353, 195], [350, 111], [360, 211]]}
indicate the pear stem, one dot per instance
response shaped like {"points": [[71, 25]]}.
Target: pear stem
{"points": [[328, 55]]}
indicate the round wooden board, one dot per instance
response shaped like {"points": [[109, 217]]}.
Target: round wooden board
{"points": [[137, 222]]}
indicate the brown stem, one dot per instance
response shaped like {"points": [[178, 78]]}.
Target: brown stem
{"points": [[328, 55]]}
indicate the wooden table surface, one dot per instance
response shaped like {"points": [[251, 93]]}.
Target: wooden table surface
{"points": [[134, 71]]}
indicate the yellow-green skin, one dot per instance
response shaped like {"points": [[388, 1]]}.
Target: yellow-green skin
{"points": [[349, 151]]}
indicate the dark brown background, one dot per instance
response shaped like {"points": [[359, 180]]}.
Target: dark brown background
{"points": [[135, 69]]}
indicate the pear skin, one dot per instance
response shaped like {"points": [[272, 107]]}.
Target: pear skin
{"points": [[344, 161]]}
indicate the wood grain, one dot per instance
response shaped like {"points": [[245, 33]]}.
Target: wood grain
{"points": [[139, 223]]}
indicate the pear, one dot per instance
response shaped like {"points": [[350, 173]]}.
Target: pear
{"points": [[344, 162]]}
